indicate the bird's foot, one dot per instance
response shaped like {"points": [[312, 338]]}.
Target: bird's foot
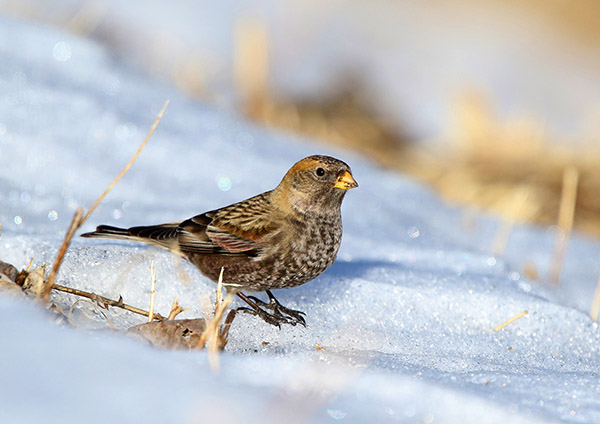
{"points": [[279, 315], [273, 319], [274, 304]]}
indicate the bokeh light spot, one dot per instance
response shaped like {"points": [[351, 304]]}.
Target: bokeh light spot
{"points": [[62, 51], [224, 183], [336, 414]]}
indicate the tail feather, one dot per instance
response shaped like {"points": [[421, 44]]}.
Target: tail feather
{"points": [[165, 236], [107, 231]]}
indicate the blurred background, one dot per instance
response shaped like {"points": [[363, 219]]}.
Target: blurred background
{"points": [[495, 104]]}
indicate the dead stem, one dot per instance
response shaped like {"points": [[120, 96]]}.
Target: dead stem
{"points": [[212, 335], [78, 221], [62, 313], [124, 171], [510, 320], [61, 254], [94, 305], [176, 309], [106, 302], [566, 214], [152, 292]]}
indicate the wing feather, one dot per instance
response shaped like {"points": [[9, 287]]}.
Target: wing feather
{"points": [[238, 228]]}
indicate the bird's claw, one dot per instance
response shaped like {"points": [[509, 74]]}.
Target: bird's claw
{"points": [[279, 314], [278, 308], [278, 317]]}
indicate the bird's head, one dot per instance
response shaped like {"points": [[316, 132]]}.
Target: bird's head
{"points": [[316, 184]]}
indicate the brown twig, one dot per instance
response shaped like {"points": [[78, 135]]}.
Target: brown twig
{"points": [[224, 332], [211, 334], [54, 308], [61, 254], [152, 292], [124, 171], [176, 309], [94, 305], [78, 221], [105, 301]]}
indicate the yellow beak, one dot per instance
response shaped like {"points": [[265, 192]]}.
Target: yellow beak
{"points": [[346, 181]]}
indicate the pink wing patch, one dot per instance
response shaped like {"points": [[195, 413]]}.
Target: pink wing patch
{"points": [[229, 241]]}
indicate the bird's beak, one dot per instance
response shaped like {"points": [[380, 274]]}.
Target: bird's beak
{"points": [[345, 181]]}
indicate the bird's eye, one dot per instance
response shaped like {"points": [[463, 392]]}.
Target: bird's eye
{"points": [[320, 172]]}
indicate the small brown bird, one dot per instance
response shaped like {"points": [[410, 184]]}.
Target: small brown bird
{"points": [[278, 239]]}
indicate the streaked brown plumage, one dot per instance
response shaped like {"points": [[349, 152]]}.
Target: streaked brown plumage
{"points": [[278, 239]]}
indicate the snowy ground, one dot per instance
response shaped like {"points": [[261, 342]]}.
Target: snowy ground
{"points": [[405, 316]]}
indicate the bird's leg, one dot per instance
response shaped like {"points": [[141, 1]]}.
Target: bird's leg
{"points": [[280, 315], [279, 310]]}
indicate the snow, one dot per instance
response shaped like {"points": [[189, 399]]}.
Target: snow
{"points": [[405, 316]]}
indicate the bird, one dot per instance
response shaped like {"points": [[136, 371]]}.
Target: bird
{"points": [[281, 238]]}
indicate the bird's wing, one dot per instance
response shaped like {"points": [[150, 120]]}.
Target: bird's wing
{"points": [[237, 228]]}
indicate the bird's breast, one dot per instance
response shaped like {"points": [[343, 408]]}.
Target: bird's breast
{"points": [[313, 247]]}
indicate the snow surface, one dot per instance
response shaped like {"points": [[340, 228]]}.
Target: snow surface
{"points": [[405, 316]]}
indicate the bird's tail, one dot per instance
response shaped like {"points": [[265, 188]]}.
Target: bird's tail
{"points": [[165, 235], [106, 231]]}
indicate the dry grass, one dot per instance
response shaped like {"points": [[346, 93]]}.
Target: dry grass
{"points": [[94, 305], [490, 164], [35, 281], [511, 167], [166, 333], [215, 336], [176, 309], [105, 302], [75, 224], [152, 292], [510, 321], [126, 168], [78, 221]]}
